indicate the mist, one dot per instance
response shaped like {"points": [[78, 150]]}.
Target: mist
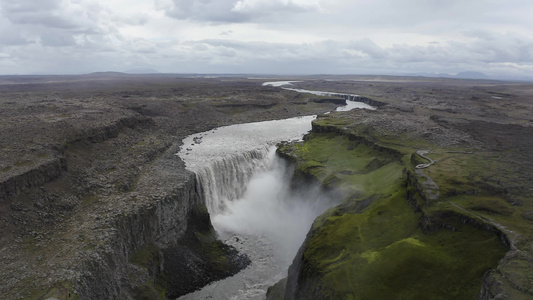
{"points": [[253, 207], [271, 209]]}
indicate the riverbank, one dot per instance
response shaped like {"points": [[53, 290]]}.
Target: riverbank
{"points": [[448, 231]]}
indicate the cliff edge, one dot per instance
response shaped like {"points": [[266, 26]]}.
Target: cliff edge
{"points": [[454, 229], [94, 203]]}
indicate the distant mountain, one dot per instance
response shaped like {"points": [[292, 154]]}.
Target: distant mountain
{"points": [[463, 75], [471, 75], [142, 71], [106, 74], [119, 74]]}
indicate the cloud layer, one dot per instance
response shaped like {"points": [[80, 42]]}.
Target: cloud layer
{"points": [[260, 36]]}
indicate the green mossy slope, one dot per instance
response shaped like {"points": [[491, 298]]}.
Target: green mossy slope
{"points": [[377, 244]]}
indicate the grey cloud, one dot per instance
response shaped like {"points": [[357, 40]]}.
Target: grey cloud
{"points": [[25, 6], [434, 17], [361, 56], [84, 36], [368, 47], [264, 7], [11, 40], [366, 55], [44, 20], [206, 10], [479, 34], [494, 48], [46, 13], [260, 57], [56, 23], [140, 46], [11, 36], [234, 11], [135, 20], [57, 39]]}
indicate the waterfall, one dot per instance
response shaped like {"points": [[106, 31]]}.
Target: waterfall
{"points": [[226, 179], [253, 207], [246, 187], [250, 194], [225, 159], [247, 190], [271, 208]]}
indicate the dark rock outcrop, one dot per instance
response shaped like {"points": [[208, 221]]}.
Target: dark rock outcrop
{"points": [[331, 100], [50, 169], [34, 177]]}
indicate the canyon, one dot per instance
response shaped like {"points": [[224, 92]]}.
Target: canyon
{"points": [[95, 203]]}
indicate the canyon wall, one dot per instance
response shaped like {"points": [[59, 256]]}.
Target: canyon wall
{"points": [[372, 245]]}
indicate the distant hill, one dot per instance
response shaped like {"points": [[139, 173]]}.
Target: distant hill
{"points": [[471, 75], [464, 75], [106, 74], [142, 71]]}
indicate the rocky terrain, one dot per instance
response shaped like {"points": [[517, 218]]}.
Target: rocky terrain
{"points": [[456, 229], [93, 201], [94, 204]]}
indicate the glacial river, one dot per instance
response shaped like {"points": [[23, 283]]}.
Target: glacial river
{"points": [[349, 103], [247, 192]]}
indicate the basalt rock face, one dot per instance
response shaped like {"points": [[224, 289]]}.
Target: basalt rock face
{"points": [[296, 279], [162, 223], [370, 101], [371, 245], [362, 99], [199, 258], [94, 203], [34, 177], [31, 174], [147, 236], [331, 100], [163, 250], [101, 249]]}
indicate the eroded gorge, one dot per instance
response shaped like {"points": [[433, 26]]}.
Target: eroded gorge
{"points": [[96, 203]]}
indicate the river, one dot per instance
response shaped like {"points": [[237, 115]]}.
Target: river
{"points": [[247, 191], [350, 104]]}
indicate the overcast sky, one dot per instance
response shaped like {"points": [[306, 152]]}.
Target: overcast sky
{"points": [[267, 36]]}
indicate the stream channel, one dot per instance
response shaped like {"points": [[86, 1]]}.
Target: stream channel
{"points": [[247, 191]]}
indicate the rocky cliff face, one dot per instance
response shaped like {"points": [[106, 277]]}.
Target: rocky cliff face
{"points": [[165, 248], [149, 240], [93, 202], [44, 168], [372, 245], [160, 223], [34, 177], [365, 100], [147, 234]]}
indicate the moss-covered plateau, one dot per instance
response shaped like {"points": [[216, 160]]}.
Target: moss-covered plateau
{"points": [[400, 233]]}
